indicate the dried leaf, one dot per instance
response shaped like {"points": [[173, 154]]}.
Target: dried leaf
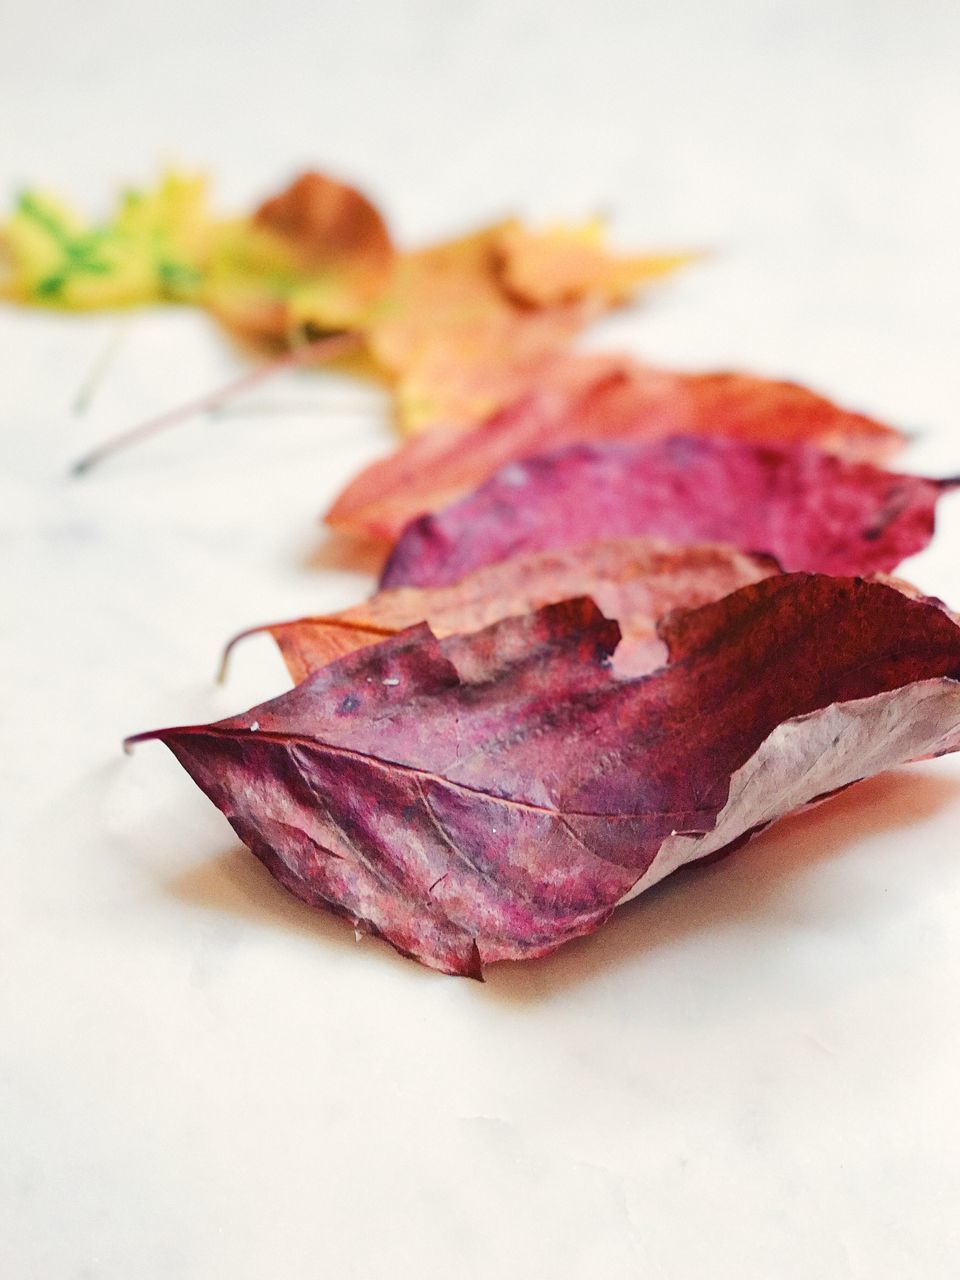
{"points": [[637, 581], [331, 227], [468, 325], [809, 509], [453, 343], [492, 796], [314, 257], [564, 263], [590, 398]]}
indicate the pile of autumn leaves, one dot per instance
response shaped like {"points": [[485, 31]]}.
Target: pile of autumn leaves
{"points": [[629, 616]]}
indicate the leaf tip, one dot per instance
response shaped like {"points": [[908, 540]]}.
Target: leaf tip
{"points": [[474, 964], [134, 739]]}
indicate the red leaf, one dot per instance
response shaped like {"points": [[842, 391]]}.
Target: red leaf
{"points": [[589, 398], [492, 796], [809, 509]]}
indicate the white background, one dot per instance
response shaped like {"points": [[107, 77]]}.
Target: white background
{"points": [[751, 1073]]}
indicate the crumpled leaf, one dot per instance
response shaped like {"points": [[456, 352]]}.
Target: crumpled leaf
{"points": [[153, 249], [591, 398], [636, 581], [492, 796], [809, 509]]}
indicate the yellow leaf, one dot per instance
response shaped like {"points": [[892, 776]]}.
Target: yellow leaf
{"points": [[151, 250]]}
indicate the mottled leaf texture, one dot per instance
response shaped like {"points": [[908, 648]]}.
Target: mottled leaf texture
{"points": [[594, 399], [492, 796], [809, 509], [636, 581]]}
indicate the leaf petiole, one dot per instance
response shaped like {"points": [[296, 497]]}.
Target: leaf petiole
{"points": [[328, 347]]}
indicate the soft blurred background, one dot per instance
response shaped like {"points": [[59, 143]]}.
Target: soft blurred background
{"points": [[752, 1076]]}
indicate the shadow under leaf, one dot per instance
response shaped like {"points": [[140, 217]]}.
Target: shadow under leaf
{"points": [[746, 885], [238, 884], [742, 886]]}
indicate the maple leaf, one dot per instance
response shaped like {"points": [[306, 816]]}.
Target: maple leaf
{"points": [[492, 796], [808, 509], [453, 343], [593, 398], [318, 248], [467, 325], [567, 262], [457, 330], [153, 249], [636, 581]]}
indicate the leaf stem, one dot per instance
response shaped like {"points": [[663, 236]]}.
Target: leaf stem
{"points": [[99, 369], [329, 347], [316, 620], [229, 647]]}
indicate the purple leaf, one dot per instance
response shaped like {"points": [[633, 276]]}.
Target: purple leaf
{"points": [[492, 796]]}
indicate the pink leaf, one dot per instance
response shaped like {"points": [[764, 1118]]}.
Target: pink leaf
{"points": [[594, 399], [808, 509]]}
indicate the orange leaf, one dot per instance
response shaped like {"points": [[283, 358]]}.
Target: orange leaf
{"points": [[583, 398], [635, 580], [567, 263], [466, 326], [331, 226], [453, 342]]}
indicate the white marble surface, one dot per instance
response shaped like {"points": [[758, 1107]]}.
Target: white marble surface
{"points": [[751, 1073]]}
